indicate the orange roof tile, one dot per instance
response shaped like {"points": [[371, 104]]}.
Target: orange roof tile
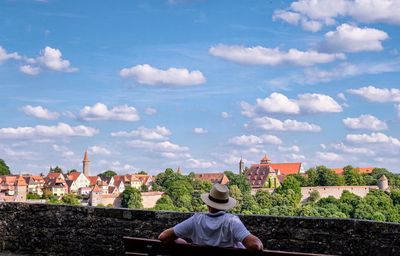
{"points": [[74, 175], [360, 170], [21, 181], [213, 177]]}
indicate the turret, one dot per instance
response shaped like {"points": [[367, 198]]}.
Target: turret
{"points": [[86, 164], [383, 183], [241, 166]]}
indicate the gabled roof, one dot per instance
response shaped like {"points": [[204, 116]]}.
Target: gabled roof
{"points": [[74, 175], [54, 175], [213, 177], [93, 180], [96, 189]]}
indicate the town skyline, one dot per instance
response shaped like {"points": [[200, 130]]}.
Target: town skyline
{"points": [[198, 85]]}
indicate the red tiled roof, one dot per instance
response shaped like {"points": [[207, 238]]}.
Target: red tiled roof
{"points": [[96, 189], [360, 170], [93, 180], [213, 177], [74, 175]]}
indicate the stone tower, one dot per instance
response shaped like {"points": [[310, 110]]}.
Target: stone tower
{"points": [[383, 183], [86, 164], [21, 189], [241, 166]]}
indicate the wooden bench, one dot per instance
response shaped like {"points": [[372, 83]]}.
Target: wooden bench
{"points": [[150, 247]]}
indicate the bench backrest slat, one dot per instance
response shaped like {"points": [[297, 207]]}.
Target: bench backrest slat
{"points": [[142, 246]]}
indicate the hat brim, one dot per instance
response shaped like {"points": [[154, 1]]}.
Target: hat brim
{"points": [[219, 206]]}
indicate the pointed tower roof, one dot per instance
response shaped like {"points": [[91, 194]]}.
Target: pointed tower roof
{"points": [[383, 177], [179, 170], [21, 181], [86, 158], [265, 160]]}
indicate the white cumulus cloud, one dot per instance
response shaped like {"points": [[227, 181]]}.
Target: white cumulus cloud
{"points": [[375, 137], [4, 55], [42, 131], [158, 133], [39, 112], [279, 103], [225, 115], [268, 123], [293, 148], [150, 111], [259, 55], [100, 111], [324, 12], [199, 130], [318, 103], [374, 94], [367, 122], [350, 38], [329, 156], [195, 163], [99, 150], [146, 74], [251, 140], [49, 58]]}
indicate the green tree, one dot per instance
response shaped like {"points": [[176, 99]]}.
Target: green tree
{"points": [[32, 196], [264, 199], [180, 192], [4, 169], [164, 203], [142, 172], [352, 176], [131, 198], [323, 176], [236, 193], [108, 173], [239, 180], [56, 170], [314, 197], [144, 188], [70, 199]]}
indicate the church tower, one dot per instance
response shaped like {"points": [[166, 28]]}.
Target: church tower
{"points": [[265, 160], [241, 166], [86, 164]]}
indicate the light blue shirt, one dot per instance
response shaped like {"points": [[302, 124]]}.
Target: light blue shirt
{"points": [[214, 229]]}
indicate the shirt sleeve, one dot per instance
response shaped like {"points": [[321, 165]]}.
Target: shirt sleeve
{"points": [[185, 228], [240, 232]]}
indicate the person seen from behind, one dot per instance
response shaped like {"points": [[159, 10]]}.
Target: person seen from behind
{"points": [[215, 228]]}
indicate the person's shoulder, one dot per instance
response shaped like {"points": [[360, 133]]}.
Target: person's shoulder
{"points": [[232, 218]]}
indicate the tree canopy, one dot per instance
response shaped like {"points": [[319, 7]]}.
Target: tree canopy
{"points": [[108, 173], [4, 169], [131, 198]]}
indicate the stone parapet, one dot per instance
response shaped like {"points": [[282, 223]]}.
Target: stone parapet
{"points": [[75, 230]]}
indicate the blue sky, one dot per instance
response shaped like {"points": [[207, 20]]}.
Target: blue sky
{"points": [[146, 85]]}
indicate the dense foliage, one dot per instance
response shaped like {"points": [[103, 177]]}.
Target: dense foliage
{"points": [[108, 173], [131, 198], [4, 169], [182, 193]]}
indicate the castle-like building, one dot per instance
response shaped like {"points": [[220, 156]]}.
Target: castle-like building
{"points": [[267, 174]]}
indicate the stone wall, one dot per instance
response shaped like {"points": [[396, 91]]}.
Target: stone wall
{"points": [[70, 230], [335, 191]]}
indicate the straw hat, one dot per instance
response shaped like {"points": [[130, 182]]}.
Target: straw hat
{"points": [[219, 198]]}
